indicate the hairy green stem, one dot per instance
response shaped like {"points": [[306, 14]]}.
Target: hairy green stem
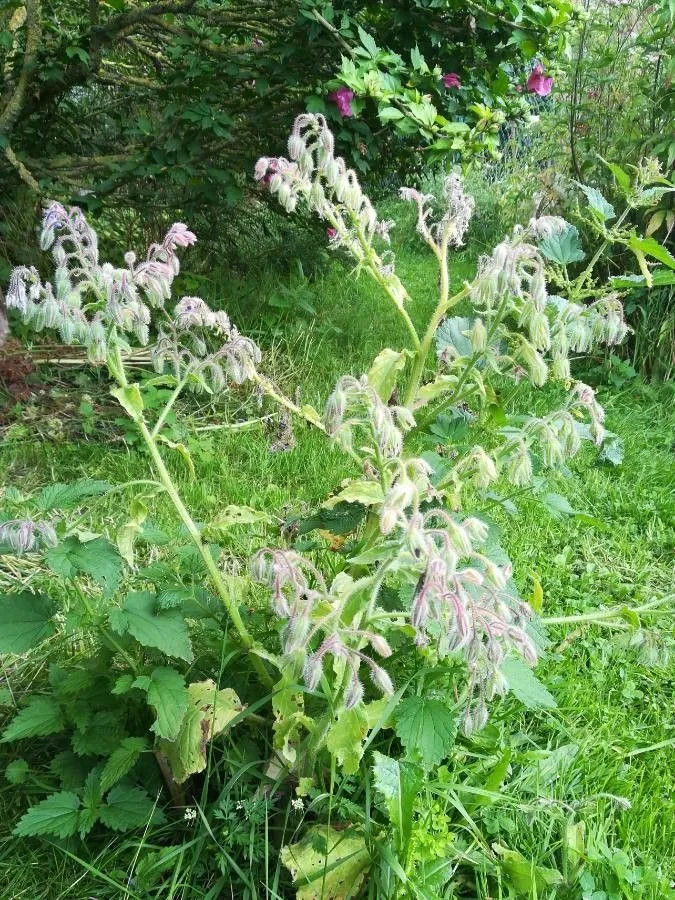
{"points": [[601, 614]]}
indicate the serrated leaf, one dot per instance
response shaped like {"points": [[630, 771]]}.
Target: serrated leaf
{"points": [[91, 802], [71, 769], [384, 372], [129, 807], [365, 492], [122, 760], [97, 558], [129, 398], [426, 728], [17, 771], [367, 41], [168, 696], [651, 247], [622, 177], [25, 621], [557, 505], [208, 713], [564, 248], [57, 815], [41, 717], [525, 686], [165, 630], [345, 738], [451, 337], [327, 864], [64, 496], [597, 202], [398, 781], [122, 684], [612, 451], [96, 736]]}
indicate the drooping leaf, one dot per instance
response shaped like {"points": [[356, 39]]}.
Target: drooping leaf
{"points": [[529, 879], [384, 372], [451, 337], [208, 713], [63, 496], [130, 399], [166, 630], [327, 864], [398, 781], [122, 760], [427, 729], [651, 247], [25, 621], [525, 685], [597, 202], [41, 717], [345, 738], [129, 807], [622, 177], [368, 493], [168, 696], [57, 815], [557, 505], [564, 248], [97, 558]]}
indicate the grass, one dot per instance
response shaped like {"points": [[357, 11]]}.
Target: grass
{"points": [[614, 719]]}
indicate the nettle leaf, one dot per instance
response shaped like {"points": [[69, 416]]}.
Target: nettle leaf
{"points": [[384, 372], [597, 202], [327, 863], [368, 493], [651, 247], [71, 770], [17, 771], [564, 248], [399, 782], [426, 728], [165, 630], [122, 760], [97, 558], [25, 621], [41, 717], [102, 730], [450, 336], [91, 802], [63, 496], [57, 815], [208, 713], [128, 807], [168, 696], [525, 686]]}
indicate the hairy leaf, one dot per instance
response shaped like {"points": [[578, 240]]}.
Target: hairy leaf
{"points": [[367, 493], [398, 781], [208, 713], [564, 248], [168, 696], [25, 621], [345, 738], [529, 879], [525, 685], [427, 729], [451, 337], [327, 864], [384, 371]]}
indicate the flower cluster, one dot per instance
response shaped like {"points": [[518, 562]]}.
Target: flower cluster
{"points": [[89, 299], [355, 404], [451, 228], [202, 347], [24, 535]]}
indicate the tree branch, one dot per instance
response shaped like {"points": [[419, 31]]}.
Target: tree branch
{"points": [[14, 105]]}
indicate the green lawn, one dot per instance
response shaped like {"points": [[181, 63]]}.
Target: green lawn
{"points": [[613, 730]]}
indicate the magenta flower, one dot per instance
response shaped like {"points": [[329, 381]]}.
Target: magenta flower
{"points": [[342, 98], [331, 233], [538, 82], [451, 80]]}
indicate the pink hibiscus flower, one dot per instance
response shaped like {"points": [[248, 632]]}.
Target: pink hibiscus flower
{"points": [[342, 98], [451, 80], [538, 82]]}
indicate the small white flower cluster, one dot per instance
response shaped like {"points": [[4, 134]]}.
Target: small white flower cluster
{"points": [[355, 404]]}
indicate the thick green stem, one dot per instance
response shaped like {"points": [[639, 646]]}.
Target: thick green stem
{"points": [[600, 615]]}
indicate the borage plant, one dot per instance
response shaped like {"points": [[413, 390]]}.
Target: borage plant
{"points": [[422, 627]]}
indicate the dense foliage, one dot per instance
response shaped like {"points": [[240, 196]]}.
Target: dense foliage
{"points": [[166, 104]]}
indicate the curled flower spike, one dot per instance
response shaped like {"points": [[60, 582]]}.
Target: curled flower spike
{"points": [[451, 228], [24, 535]]}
